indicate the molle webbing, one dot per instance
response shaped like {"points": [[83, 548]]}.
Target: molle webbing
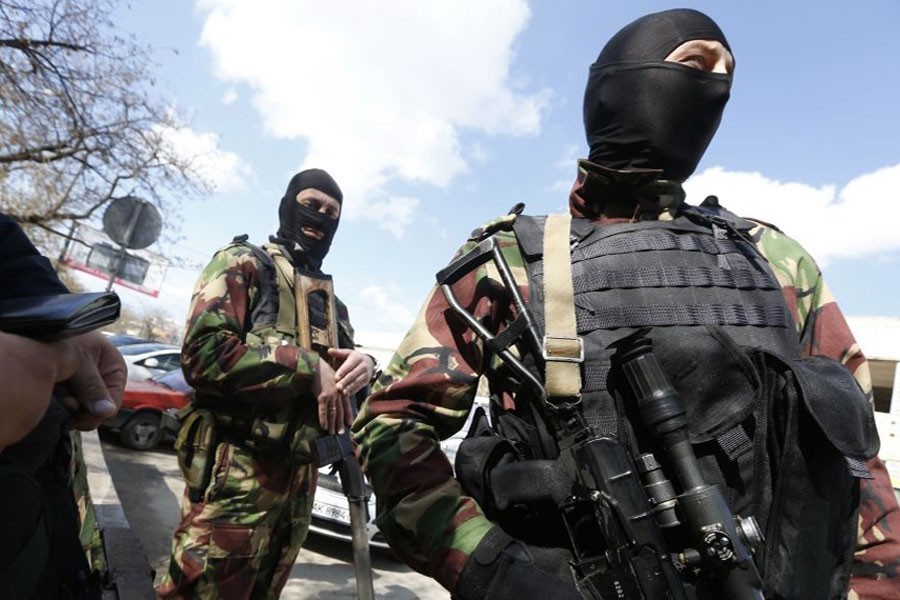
{"points": [[643, 240], [679, 277], [667, 315], [585, 280]]}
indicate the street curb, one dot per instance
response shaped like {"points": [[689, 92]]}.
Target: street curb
{"points": [[128, 571]]}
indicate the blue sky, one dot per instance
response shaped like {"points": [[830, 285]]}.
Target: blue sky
{"points": [[435, 117]]}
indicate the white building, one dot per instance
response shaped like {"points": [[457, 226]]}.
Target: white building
{"points": [[879, 338]]}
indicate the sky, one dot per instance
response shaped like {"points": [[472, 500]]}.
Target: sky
{"points": [[435, 117]]}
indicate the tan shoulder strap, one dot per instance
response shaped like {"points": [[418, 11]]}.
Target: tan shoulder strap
{"points": [[563, 349]]}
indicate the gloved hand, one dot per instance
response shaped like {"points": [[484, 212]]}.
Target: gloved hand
{"points": [[502, 568]]}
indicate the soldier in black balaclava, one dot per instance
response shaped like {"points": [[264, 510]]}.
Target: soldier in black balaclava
{"points": [[252, 357], [645, 111], [308, 215], [653, 102], [542, 501]]}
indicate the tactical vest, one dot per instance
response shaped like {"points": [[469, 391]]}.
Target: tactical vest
{"points": [[275, 306], [727, 341]]}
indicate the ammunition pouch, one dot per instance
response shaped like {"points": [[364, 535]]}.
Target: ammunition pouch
{"points": [[196, 445], [271, 434], [521, 495]]}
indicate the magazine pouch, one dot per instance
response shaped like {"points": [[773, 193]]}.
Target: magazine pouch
{"points": [[822, 433], [196, 448]]}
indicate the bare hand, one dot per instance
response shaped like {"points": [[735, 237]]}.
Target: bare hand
{"points": [[355, 370], [91, 367], [334, 408], [94, 392]]}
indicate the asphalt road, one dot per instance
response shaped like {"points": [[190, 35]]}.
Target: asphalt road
{"points": [[150, 487]]}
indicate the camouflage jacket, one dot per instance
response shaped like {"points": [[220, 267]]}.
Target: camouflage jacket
{"points": [[227, 356], [428, 388]]}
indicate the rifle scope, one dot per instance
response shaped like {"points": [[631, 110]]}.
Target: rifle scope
{"points": [[721, 540]]}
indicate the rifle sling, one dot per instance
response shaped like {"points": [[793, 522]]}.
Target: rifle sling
{"points": [[563, 349]]}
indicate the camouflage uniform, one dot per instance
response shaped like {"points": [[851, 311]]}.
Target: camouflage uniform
{"points": [[242, 538], [427, 390]]}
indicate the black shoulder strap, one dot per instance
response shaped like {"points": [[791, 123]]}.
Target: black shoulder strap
{"points": [[710, 208], [265, 311], [530, 234]]}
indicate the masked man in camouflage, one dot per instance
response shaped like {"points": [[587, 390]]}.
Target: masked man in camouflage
{"points": [[260, 399], [726, 301]]}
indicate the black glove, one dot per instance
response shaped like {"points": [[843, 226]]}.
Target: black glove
{"points": [[502, 568]]}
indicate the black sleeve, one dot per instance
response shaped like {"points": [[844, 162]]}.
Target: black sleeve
{"points": [[23, 271]]}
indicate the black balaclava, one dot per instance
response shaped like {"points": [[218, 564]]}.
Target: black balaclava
{"points": [[293, 216], [641, 112]]}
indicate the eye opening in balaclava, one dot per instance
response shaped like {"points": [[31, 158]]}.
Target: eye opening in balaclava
{"points": [[293, 217], [641, 112]]}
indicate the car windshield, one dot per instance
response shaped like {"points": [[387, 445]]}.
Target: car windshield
{"points": [[174, 380], [134, 349]]}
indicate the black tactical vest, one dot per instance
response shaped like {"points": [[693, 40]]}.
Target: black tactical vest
{"points": [[726, 339], [682, 278]]}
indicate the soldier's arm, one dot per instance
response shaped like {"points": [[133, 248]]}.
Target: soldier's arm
{"points": [[824, 331], [219, 356], [425, 395]]}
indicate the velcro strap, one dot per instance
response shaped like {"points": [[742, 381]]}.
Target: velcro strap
{"points": [[858, 468], [735, 442]]}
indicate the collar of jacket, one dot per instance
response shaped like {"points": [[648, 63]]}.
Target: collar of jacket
{"points": [[600, 193]]}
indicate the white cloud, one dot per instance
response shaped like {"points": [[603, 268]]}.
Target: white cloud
{"points": [[830, 223], [569, 159], [389, 314], [380, 90], [567, 164], [225, 170], [393, 214], [230, 96]]}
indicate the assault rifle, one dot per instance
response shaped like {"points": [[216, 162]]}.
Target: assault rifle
{"points": [[614, 519], [337, 449]]}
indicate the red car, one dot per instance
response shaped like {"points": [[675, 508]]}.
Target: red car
{"points": [[148, 409]]}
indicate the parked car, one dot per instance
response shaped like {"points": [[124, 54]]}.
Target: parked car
{"points": [[148, 409], [331, 513], [122, 339], [149, 359]]}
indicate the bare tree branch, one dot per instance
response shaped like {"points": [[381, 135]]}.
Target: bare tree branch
{"points": [[79, 122]]}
